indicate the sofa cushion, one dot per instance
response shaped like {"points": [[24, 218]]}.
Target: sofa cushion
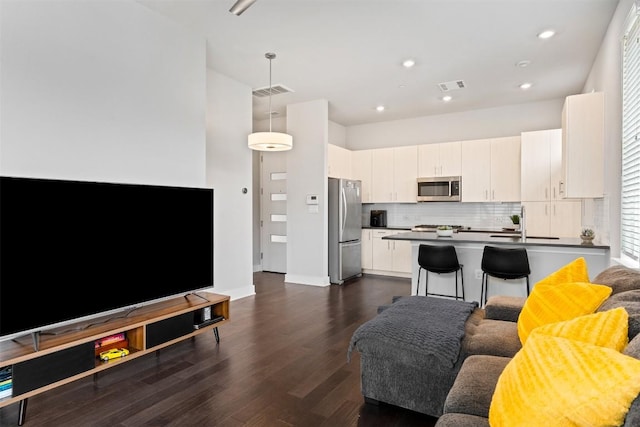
{"points": [[630, 300], [472, 390], [503, 307], [633, 349], [549, 303], [604, 329], [573, 381], [458, 420], [495, 338], [633, 416], [619, 278]]}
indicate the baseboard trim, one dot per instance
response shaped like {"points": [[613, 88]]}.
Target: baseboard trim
{"points": [[307, 280]]}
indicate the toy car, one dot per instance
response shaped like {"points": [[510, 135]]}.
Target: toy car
{"points": [[114, 353]]}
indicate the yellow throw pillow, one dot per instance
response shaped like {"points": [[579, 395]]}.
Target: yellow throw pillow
{"points": [[575, 271], [560, 382], [605, 329], [550, 303]]}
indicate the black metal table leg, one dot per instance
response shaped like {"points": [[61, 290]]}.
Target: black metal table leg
{"points": [[217, 334]]}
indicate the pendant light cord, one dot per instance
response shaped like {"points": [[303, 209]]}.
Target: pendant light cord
{"points": [[270, 115]]}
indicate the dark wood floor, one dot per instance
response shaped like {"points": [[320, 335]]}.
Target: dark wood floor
{"points": [[281, 361]]}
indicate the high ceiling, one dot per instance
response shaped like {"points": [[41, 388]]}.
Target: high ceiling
{"points": [[350, 52]]}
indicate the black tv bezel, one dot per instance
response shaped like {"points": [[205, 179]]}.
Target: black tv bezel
{"points": [[59, 322]]}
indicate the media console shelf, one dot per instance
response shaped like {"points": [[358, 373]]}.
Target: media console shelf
{"points": [[68, 354]]}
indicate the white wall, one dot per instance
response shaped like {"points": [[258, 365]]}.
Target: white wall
{"points": [[606, 76], [337, 134], [229, 172], [307, 234], [111, 91], [87, 94], [496, 122]]}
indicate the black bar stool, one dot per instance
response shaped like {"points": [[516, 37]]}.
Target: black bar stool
{"points": [[503, 263], [439, 259]]}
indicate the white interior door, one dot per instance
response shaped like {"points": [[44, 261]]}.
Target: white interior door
{"points": [[273, 212]]}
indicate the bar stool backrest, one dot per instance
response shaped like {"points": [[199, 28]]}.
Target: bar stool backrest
{"points": [[438, 259], [505, 263]]}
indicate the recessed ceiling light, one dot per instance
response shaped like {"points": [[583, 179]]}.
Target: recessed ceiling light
{"points": [[546, 34], [525, 86], [447, 98], [523, 63], [408, 63], [380, 108]]}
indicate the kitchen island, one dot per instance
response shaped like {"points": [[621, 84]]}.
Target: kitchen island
{"points": [[546, 255]]}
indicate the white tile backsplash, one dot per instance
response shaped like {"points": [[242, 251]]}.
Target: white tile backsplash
{"points": [[445, 213]]}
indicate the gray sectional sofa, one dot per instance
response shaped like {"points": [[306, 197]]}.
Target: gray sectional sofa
{"points": [[460, 393]]}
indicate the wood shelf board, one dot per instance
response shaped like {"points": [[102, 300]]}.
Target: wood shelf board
{"points": [[21, 349], [102, 366]]}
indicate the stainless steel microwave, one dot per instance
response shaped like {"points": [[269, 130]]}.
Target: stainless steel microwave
{"points": [[439, 189]]}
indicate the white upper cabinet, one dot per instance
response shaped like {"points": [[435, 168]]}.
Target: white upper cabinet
{"points": [[361, 164], [582, 146], [491, 170], [439, 159], [505, 169], [395, 171], [541, 157], [382, 188], [338, 162], [476, 170]]}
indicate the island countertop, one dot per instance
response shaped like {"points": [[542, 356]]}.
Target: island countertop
{"points": [[497, 239], [545, 256]]}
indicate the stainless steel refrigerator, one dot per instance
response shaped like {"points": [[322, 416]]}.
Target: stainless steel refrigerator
{"points": [[345, 229]]}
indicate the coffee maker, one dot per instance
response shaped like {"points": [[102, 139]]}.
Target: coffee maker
{"points": [[378, 218]]}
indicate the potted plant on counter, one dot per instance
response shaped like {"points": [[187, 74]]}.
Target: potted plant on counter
{"points": [[587, 235], [444, 231], [515, 219]]}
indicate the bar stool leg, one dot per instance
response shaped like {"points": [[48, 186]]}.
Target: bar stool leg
{"points": [[462, 281], [418, 284], [426, 283], [456, 273]]}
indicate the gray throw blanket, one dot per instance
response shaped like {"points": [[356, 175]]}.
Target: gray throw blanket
{"points": [[425, 325]]}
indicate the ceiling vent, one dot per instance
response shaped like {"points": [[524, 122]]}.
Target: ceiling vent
{"points": [[275, 90], [452, 85]]}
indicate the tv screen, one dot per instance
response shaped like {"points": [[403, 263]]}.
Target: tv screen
{"points": [[78, 249]]}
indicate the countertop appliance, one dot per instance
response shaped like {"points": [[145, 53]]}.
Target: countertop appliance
{"points": [[439, 189], [345, 229], [378, 218]]}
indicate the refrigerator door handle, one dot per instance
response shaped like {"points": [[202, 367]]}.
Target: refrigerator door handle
{"points": [[343, 199]]}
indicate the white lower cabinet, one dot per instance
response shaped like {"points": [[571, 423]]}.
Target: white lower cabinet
{"points": [[388, 256], [367, 249]]}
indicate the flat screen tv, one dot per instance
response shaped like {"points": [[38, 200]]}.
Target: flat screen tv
{"points": [[73, 250]]}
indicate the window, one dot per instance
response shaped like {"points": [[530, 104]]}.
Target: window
{"points": [[630, 209]]}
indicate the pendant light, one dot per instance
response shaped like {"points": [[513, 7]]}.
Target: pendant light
{"points": [[270, 141], [240, 6]]}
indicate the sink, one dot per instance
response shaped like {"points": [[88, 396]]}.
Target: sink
{"points": [[528, 237]]}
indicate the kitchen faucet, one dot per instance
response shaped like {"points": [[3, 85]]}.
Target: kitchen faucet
{"points": [[523, 224]]}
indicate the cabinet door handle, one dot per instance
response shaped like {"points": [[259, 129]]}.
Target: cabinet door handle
{"points": [[546, 191], [554, 192], [486, 194], [560, 190]]}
